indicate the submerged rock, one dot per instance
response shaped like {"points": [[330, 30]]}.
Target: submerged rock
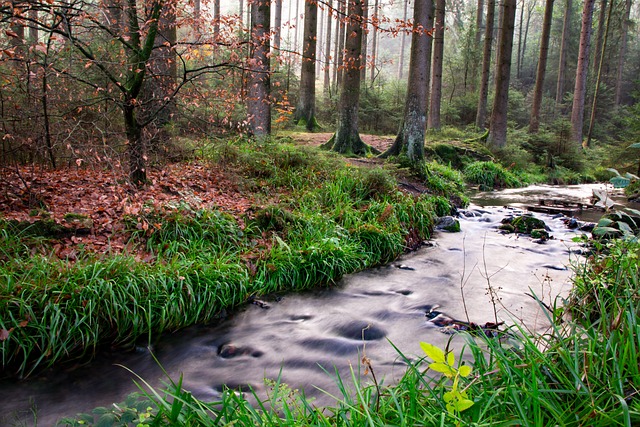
{"points": [[523, 224]]}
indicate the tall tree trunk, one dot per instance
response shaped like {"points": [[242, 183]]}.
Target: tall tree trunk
{"points": [[436, 69], [519, 53], [305, 113], [564, 45], [258, 103], [602, 16], [410, 139], [216, 19], [403, 42], [347, 140], [600, 61], [327, 52], [498, 124], [481, 113], [277, 27], [534, 123], [340, 35], [532, 6], [297, 20], [622, 53], [320, 43], [374, 42], [365, 30], [577, 111], [479, 20], [240, 10]]}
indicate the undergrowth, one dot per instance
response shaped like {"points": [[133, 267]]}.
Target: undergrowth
{"points": [[321, 219]]}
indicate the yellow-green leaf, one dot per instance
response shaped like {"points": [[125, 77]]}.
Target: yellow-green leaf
{"points": [[443, 368], [464, 370], [435, 353], [451, 359], [463, 404]]}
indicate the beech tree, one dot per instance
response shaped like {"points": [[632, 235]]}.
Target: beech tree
{"points": [[498, 124], [534, 123], [305, 114], [258, 103], [580, 90], [410, 139], [346, 139]]}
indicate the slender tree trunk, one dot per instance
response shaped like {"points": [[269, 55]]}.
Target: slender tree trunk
{"points": [[532, 6], [297, 20], [374, 42], [305, 113], [258, 103], [216, 19], [347, 140], [622, 53], [277, 27], [365, 30], [338, 70], [481, 113], [410, 139], [327, 52], [320, 43], [519, 53], [403, 42], [479, 21], [564, 43], [498, 124], [600, 61], [602, 16], [577, 111], [240, 10], [534, 123], [436, 69]]}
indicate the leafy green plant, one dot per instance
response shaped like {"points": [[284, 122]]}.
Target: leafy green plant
{"points": [[490, 175], [456, 398]]}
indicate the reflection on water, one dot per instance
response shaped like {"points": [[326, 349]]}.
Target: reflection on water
{"points": [[304, 336]]}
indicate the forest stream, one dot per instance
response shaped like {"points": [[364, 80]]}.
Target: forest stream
{"points": [[306, 337]]}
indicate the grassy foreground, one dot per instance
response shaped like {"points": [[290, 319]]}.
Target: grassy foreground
{"points": [[318, 219], [584, 372]]}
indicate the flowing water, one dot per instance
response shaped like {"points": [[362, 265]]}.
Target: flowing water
{"points": [[306, 337]]}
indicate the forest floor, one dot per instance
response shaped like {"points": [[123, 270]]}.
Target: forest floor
{"points": [[104, 196]]}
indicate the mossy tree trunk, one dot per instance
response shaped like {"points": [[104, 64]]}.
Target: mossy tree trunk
{"points": [[410, 139], [305, 114], [347, 139]]}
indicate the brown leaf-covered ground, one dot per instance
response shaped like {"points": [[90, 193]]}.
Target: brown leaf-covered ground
{"points": [[105, 196]]}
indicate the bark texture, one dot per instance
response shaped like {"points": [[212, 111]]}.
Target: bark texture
{"points": [[410, 139], [534, 123], [498, 125], [305, 113], [347, 140], [258, 104], [433, 121], [622, 53], [481, 113], [580, 90]]}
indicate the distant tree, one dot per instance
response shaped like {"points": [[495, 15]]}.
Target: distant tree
{"points": [[481, 113], [258, 103], [622, 52], [347, 139], [498, 124], [433, 121], [564, 46], [365, 31], [339, 45], [410, 139], [534, 123], [577, 110], [277, 27], [327, 52], [402, 41], [597, 52], [375, 19], [305, 113]]}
